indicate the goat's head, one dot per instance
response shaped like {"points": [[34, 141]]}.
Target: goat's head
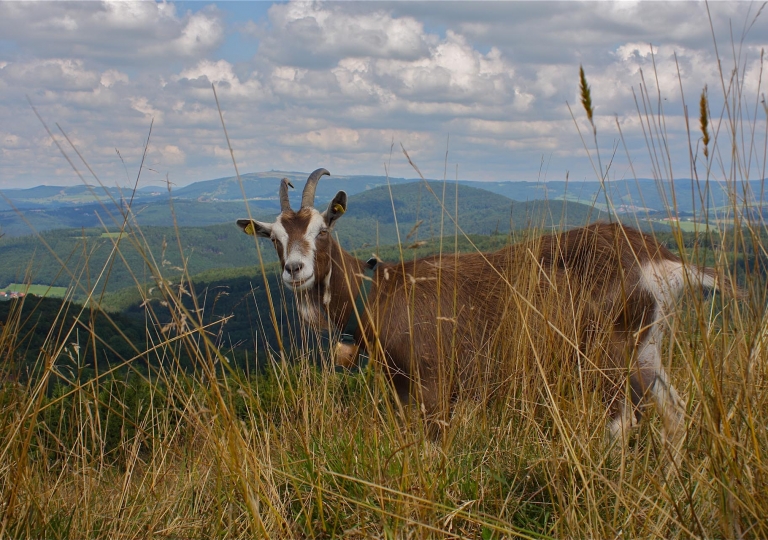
{"points": [[302, 238]]}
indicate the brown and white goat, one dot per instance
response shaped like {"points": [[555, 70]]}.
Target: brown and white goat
{"points": [[427, 320]]}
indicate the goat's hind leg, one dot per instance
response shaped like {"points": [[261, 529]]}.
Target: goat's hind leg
{"points": [[648, 379], [669, 404], [623, 412]]}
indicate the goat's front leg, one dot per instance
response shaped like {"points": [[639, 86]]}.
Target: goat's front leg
{"points": [[434, 409]]}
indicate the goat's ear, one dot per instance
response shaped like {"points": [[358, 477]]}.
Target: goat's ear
{"points": [[253, 227], [336, 209]]}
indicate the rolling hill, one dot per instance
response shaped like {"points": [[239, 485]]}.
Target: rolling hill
{"points": [[479, 211], [218, 201], [59, 256]]}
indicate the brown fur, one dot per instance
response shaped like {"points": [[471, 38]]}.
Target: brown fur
{"points": [[425, 313]]}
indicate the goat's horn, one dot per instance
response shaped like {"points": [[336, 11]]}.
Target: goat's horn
{"points": [[308, 196], [285, 204]]}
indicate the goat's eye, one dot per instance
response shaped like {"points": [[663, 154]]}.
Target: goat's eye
{"points": [[322, 232]]}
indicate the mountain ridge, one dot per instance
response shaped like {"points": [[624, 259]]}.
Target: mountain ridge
{"points": [[50, 207]]}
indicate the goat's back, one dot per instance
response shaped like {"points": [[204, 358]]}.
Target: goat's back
{"points": [[582, 287]]}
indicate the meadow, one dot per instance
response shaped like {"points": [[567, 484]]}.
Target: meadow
{"points": [[38, 290], [174, 438]]}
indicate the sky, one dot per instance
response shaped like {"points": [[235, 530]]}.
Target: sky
{"points": [[474, 90]]}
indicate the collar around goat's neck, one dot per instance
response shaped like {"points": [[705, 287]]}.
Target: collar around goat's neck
{"points": [[353, 321]]}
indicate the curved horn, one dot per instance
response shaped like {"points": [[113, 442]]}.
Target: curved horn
{"points": [[308, 196], [285, 204]]}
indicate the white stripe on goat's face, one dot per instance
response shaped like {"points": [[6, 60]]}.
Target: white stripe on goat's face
{"points": [[296, 236]]}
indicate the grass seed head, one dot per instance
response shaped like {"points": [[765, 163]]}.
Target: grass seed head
{"points": [[586, 96], [703, 121]]}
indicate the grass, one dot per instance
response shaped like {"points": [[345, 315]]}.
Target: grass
{"points": [[37, 290], [298, 449], [685, 226]]}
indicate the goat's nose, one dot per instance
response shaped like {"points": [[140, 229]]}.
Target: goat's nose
{"points": [[293, 268]]}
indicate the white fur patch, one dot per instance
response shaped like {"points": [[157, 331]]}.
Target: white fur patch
{"points": [[665, 281], [649, 350], [279, 233], [312, 314], [316, 223]]}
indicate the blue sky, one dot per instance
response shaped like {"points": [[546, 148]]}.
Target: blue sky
{"points": [[336, 84]]}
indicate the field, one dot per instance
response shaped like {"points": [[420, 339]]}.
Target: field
{"points": [[685, 226], [111, 428], [37, 290]]}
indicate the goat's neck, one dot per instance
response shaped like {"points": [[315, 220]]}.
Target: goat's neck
{"points": [[335, 295]]}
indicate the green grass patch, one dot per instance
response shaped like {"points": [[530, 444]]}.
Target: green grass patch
{"points": [[38, 290], [685, 226]]}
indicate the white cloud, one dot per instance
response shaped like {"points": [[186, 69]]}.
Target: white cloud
{"points": [[117, 14], [452, 70], [53, 74], [335, 84], [172, 155], [141, 104], [326, 139], [112, 32], [10, 140], [112, 76], [200, 34], [312, 33]]}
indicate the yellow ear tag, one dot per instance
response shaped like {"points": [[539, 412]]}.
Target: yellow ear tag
{"points": [[338, 209], [249, 229]]}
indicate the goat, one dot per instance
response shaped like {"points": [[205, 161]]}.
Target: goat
{"points": [[428, 317]]}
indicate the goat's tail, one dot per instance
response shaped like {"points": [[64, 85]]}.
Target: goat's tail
{"points": [[708, 278]]}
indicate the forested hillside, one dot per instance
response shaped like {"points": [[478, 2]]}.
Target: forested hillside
{"points": [[479, 212], [41, 323], [91, 258]]}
